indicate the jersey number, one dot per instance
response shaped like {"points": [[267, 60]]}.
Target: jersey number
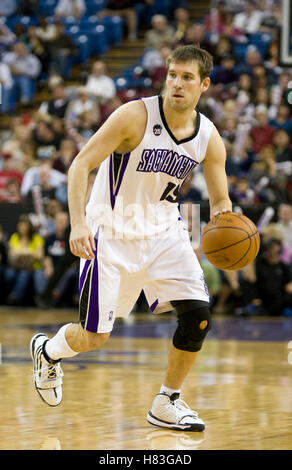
{"points": [[170, 193]]}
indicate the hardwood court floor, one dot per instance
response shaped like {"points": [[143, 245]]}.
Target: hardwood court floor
{"points": [[242, 389]]}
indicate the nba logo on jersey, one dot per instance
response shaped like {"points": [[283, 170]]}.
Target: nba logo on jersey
{"points": [[157, 129], [110, 315]]}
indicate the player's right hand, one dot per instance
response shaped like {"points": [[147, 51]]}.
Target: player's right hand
{"points": [[82, 242]]}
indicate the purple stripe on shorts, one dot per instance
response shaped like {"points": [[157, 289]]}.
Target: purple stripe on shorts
{"points": [[154, 305], [83, 275], [93, 307], [111, 183], [125, 161]]}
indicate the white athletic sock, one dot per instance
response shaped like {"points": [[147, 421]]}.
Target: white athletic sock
{"points": [[57, 347], [168, 391]]}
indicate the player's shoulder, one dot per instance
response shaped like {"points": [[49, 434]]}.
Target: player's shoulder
{"points": [[131, 114], [133, 108]]}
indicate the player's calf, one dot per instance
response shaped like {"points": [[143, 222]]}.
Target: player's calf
{"points": [[82, 340]]}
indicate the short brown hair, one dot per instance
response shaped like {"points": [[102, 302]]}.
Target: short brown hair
{"points": [[190, 53]]}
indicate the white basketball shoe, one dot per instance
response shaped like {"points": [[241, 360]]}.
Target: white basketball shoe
{"points": [[173, 413], [47, 374]]}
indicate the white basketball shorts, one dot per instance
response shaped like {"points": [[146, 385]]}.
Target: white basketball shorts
{"points": [[165, 267]]}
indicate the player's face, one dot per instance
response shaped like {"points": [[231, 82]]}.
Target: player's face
{"points": [[184, 85]]}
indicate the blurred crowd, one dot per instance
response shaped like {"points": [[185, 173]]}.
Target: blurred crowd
{"points": [[52, 117]]}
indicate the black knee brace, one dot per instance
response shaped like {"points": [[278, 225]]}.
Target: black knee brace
{"points": [[191, 330]]}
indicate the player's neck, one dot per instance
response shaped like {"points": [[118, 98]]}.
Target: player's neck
{"points": [[177, 119]]}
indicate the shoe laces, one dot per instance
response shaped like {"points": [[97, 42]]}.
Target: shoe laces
{"points": [[53, 371], [180, 405]]}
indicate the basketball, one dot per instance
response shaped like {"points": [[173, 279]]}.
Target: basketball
{"points": [[231, 241]]}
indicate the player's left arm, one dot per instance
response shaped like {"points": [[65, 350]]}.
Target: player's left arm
{"points": [[215, 175]]}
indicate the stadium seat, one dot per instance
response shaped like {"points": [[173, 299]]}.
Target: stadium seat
{"points": [[98, 39], [114, 26]]}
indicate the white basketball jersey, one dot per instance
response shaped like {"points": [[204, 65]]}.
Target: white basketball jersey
{"points": [[136, 193]]}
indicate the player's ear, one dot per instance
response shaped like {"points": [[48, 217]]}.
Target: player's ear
{"points": [[205, 83]]}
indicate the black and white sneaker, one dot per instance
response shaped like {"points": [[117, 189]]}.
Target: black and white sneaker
{"points": [[47, 375], [172, 413]]}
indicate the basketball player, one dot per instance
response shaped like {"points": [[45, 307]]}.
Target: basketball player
{"points": [[145, 150]]}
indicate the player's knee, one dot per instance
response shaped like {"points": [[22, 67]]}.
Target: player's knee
{"points": [[194, 322]]}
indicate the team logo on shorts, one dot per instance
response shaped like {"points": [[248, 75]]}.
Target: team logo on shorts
{"points": [[157, 129], [110, 315]]}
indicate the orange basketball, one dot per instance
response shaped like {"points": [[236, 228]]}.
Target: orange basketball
{"points": [[231, 241]]}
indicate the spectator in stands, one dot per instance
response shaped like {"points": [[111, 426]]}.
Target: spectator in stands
{"points": [[123, 8], [274, 280], [65, 156], [11, 192], [228, 28], [262, 134], [214, 19], [282, 145], [45, 31], [181, 23], [44, 190], [242, 193], [284, 223], [99, 85], [26, 254], [161, 32], [250, 19], [6, 86], [55, 244], [272, 231], [260, 76], [283, 119], [61, 48], [154, 61], [8, 172], [8, 7], [222, 48], [20, 147], [75, 8], [46, 139], [25, 68], [38, 48], [32, 177], [272, 57], [55, 250], [265, 164], [270, 184], [86, 128], [77, 106], [225, 73], [252, 58], [7, 37], [51, 293], [195, 34], [58, 104], [48, 226], [247, 155], [272, 18], [228, 127]]}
